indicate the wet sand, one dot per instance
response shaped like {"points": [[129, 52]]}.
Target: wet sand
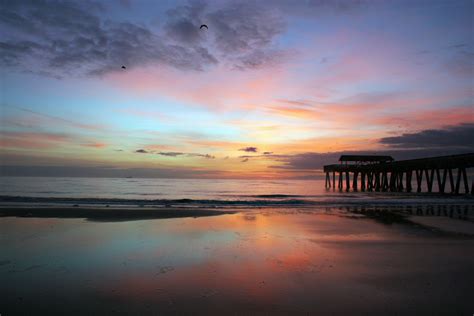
{"points": [[108, 214], [331, 261]]}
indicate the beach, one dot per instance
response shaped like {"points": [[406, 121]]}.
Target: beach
{"points": [[246, 260], [213, 247]]}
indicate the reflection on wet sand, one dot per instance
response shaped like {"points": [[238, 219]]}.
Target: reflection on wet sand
{"points": [[460, 211], [444, 219], [273, 261]]}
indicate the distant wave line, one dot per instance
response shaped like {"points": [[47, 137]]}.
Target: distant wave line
{"points": [[268, 202]]}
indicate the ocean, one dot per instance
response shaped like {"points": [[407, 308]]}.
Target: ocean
{"points": [[202, 192]]}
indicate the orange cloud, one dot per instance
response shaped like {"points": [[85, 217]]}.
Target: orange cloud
{"points": [[295, 112], [95, 145]]}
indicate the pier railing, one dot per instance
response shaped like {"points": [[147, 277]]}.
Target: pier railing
{"points": [[398, 176]]}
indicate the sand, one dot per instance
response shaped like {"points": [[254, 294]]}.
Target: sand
{"points": [[108, 214], [280, 261]]}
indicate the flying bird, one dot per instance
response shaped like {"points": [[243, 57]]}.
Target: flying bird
{"points": [[123, 67], [204, 25]]}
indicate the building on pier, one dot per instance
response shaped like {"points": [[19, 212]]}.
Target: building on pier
{"points": [[364, 159]]}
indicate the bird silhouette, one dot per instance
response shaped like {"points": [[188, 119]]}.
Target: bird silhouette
{"points": [[123, 67], [204, 25]]}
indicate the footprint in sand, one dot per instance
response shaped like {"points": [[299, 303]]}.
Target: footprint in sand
{"points": [[26, 269], [166, 269], [209, 293]]}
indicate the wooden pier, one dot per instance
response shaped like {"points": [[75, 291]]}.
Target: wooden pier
{"points": [[382, 173]]}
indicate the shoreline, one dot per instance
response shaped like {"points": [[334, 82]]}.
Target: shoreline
{"points": [[441, 219], [381, 199]]}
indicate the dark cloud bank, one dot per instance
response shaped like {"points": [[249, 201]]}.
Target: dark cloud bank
{"points": [[456, 137], [109, 172], [428, 143], [58, 38], [249, 149], [174, 154]]}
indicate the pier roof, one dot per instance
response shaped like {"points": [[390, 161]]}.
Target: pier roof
{"points": [[366, 158]]}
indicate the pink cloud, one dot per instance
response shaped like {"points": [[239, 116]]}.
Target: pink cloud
{"points": [[37, 118], [429, 118], [216, 89], [30, 140], [41, 140]]}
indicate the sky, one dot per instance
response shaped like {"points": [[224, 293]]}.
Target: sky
{"points": [[271, 89]]}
